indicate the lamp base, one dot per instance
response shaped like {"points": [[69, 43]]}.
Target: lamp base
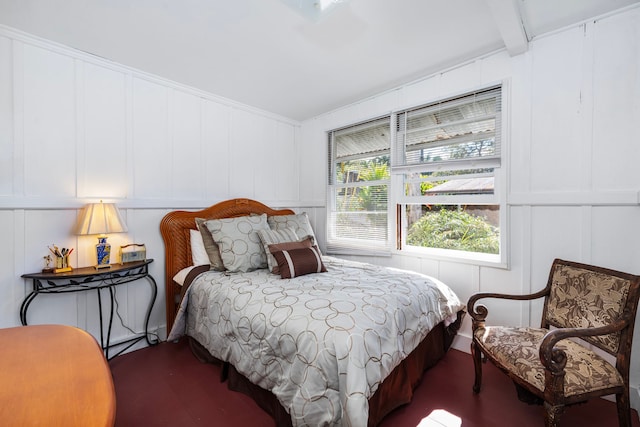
{"points": [[103, 253]]}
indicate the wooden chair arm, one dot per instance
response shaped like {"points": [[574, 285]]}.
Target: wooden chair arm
{"points": [[479, 313], [554, 359]]}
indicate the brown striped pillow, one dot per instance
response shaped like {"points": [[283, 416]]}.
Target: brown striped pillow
{"points": [[297, 262], [287, 246]]}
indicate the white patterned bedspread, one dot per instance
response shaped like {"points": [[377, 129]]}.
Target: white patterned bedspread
{"points": [[322, 343]]}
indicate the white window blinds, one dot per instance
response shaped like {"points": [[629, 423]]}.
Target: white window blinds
{"points": [[458, 133], [359, 175]]}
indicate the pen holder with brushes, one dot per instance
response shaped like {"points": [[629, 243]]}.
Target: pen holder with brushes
{"points": [[62, 264], [61, 259]]}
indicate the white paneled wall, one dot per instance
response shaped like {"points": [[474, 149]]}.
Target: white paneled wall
{"points": [[75, 129], [6, 119], [152, 123], [102, 132], [572, 160], [45, 91]]}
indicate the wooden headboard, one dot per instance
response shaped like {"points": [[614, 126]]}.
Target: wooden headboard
{"points": [[174, 229]]}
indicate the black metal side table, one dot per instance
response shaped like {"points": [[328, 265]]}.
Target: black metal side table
{"points": [[87, 279]]}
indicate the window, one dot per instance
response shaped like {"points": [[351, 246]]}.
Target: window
{"points": [[448, 158], [439, 165], [359, 177]]}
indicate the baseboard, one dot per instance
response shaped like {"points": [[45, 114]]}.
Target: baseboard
{"points": [[462, 342], [634, 397], [162, 332], [159, 333]]}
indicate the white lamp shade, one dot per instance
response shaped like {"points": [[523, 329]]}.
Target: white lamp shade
{"points": [[100, 218]]}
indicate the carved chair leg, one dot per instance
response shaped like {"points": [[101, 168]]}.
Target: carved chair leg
{"points": [[476, 354], [624, 409], [552, 414]]}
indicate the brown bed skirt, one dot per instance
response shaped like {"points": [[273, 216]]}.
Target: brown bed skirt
{"points": [[396, 390]]}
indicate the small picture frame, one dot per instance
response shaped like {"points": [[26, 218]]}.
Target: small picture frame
{"points": [[133, 252]]}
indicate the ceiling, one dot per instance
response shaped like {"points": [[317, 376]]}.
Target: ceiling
{"points": [[265, 54]]}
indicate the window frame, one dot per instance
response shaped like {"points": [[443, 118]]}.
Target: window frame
{"points": [[352, 246], [397, 200]]}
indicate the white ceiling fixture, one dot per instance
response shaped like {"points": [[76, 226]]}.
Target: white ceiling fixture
{"points": [[313, 10]]}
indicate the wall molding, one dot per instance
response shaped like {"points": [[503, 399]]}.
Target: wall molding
{"points": [[575, 198], [61, 203]]}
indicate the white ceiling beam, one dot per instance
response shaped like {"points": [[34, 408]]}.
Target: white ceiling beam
{"points": [[508, 18]]}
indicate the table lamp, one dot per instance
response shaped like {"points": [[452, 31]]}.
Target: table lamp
{"points": [[100, 218]]}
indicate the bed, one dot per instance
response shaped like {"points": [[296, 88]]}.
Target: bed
{"points": [[326, 348]]}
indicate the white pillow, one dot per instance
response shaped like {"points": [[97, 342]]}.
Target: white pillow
{"points": [[199, 254], [181, 275], [239, 243]]}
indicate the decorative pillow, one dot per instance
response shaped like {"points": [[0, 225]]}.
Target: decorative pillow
{"points": [[210, 246], [306, 242], [297, 262], [198, 253], [270, 237], [238, 241], [298, 222]]}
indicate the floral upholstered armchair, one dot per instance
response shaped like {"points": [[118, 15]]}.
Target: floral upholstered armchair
{"points": [[592, 305]]}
